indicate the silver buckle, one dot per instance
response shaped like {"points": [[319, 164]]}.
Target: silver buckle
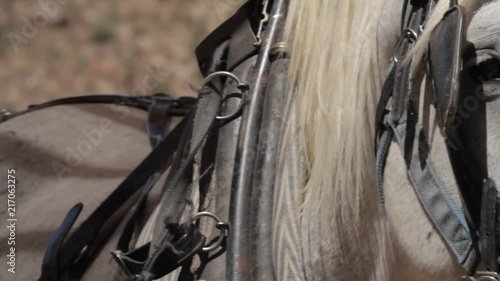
{"points": [[407, 34], [117, 256], [482, 276]]}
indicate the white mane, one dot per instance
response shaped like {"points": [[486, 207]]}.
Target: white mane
{"points": [[335, 69], [336, 73], [335, 77]]}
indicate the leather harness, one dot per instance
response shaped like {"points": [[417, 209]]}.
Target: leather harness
{"points": [[249, 35], [471, 233]]}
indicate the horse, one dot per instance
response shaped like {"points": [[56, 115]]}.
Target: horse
{"points": [[335, 227], [302, 150]]}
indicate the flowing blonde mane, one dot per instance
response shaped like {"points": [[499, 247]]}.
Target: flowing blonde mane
{"points": [[337, 69], [335, 78]]}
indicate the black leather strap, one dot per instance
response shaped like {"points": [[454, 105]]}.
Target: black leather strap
{"points": [[185, 245], [238, 30], [158, 120], [181, 107], [419, 3], [130, 227], [488, 226], [83, 244], [386, 95], [50, 264], [178, 187]]}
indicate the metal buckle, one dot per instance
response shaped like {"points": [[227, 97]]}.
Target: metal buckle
{"points": [[221, 225], [118, 257], [241, 86], [482, 276], [163, 260], [407, 33]]}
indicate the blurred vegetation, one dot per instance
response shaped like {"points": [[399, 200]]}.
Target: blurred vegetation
{"points": [[91, 46], [102, 32]]}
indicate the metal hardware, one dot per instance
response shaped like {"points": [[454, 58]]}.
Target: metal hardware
{"points": [[482, 276], [279, 50], [279, 47], [221, 225], [4, 115], [241, 86], [263, 20], [407, 33], [118, 257]]}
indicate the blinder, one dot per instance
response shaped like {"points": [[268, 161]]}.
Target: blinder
{"points": [[445, 65]]}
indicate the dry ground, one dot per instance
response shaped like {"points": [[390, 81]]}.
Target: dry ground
{"points": [[56, 48]]}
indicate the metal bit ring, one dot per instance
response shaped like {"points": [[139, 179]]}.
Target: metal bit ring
{"points": [[407, 33], [221, 225], [241, 86]]}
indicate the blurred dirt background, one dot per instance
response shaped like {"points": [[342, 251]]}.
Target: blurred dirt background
{"points": [[57, 48]]}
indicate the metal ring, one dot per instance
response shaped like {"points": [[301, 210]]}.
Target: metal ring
{"points": [[482, 276], [4, 115], [241, 86], [487, 278], [221, 225], [407, 33], [280, 47]]}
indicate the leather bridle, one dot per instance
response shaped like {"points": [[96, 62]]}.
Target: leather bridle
{"points": [[476, 225]]}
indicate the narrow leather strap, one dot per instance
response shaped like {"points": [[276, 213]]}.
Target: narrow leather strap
{"points": [[447, 218], [90, 235], [487, 227], [50, 264], [187, 243], [382, 154], [128, 231], [387, 91], [184, 104], [178, 187]]}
